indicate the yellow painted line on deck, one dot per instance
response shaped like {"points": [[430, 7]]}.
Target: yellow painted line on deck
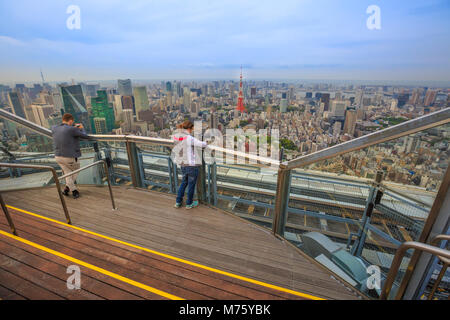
{"points": [[191, 263], [92, 267]]}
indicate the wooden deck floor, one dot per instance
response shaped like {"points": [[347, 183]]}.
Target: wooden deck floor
{"points": [[203, 235]]}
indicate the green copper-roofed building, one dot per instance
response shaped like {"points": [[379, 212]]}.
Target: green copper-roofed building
{"points": [[101, 109]]}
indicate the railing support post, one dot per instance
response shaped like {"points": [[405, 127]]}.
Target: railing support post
{"points": [[170, 165], [201, 182], [214, 183], [208, 179], [8, 217], [370, 204], [105, 166], [135, 165], [436, 251], [281, 201], [61, 197]]}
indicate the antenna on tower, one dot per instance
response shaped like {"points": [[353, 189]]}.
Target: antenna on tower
{"points": [[240, 105], [42, 77]]}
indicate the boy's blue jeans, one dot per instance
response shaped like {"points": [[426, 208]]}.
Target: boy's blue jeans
{"points": [[189, 180]]}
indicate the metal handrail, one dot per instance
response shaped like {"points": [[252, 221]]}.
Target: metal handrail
{"points": [[105, 166], [398, 259], [133, 138], [436, 240], [440, 237], [446, 264], [406, 128], [57, 184], [403, 129]]}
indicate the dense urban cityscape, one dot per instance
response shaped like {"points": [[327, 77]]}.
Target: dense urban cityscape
{"points": [[225, 150], [308, 116]]}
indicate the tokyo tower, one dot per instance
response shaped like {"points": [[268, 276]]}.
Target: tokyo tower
{"points": [[240, 105]]}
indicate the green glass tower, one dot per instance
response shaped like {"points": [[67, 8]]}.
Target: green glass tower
{"points": [[101, 109]]}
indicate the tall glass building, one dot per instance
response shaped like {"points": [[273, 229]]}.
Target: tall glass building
{"points": [[101, 109], [141, 100], [16, 103], [75, 104], [124, 87]]}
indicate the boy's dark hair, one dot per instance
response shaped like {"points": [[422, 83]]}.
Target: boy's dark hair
{"points": [[187, 125], [67, 117]]}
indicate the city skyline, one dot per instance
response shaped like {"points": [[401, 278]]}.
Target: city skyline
{"points": [[315, 40]]}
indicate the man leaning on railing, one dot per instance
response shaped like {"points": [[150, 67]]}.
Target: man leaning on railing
{"points": [[66, 144]]}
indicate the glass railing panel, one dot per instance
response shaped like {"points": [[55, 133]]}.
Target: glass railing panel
{"points": [[329, 216], [22, 146], [157, 167], [115, 153], [247, 191]]}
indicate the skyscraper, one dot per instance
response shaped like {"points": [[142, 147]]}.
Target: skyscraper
{"points": [[283, 105], [74, 103], [213, 120], [100, 125], [117, 104], [415, 98], [338, 108], [291, 94], [168, 86], [90, 89], [430, 98], [402, 99], [187, 99], [350, 122], [128, 103], [128, 120], [326, 100], [16, 103], [101, 109], [41, 113], [179, 89], [359, 99], [141, 100], [125, 88]]}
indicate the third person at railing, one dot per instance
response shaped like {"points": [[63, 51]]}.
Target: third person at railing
{"points": [[66, 143], [190, 160]]}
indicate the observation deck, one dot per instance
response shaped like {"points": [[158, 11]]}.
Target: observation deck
{"points": [[265, 229], [203, 253]]}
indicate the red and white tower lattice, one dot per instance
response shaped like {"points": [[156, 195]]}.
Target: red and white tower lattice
{"points": [[240, 105]]}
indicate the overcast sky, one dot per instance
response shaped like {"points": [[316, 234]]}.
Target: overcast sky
{"points": [[176, 39]]}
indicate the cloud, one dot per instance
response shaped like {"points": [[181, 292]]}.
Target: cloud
{"points": [[142, 36], [11, 41]]}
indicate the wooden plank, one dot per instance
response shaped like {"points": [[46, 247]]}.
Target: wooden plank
{"points": [[89, 282], [7, 294], [148, 219], [141, 253], [217, 292], [43, 279], [157, 236], [25, 288], [178, 269], [93, 281]]}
